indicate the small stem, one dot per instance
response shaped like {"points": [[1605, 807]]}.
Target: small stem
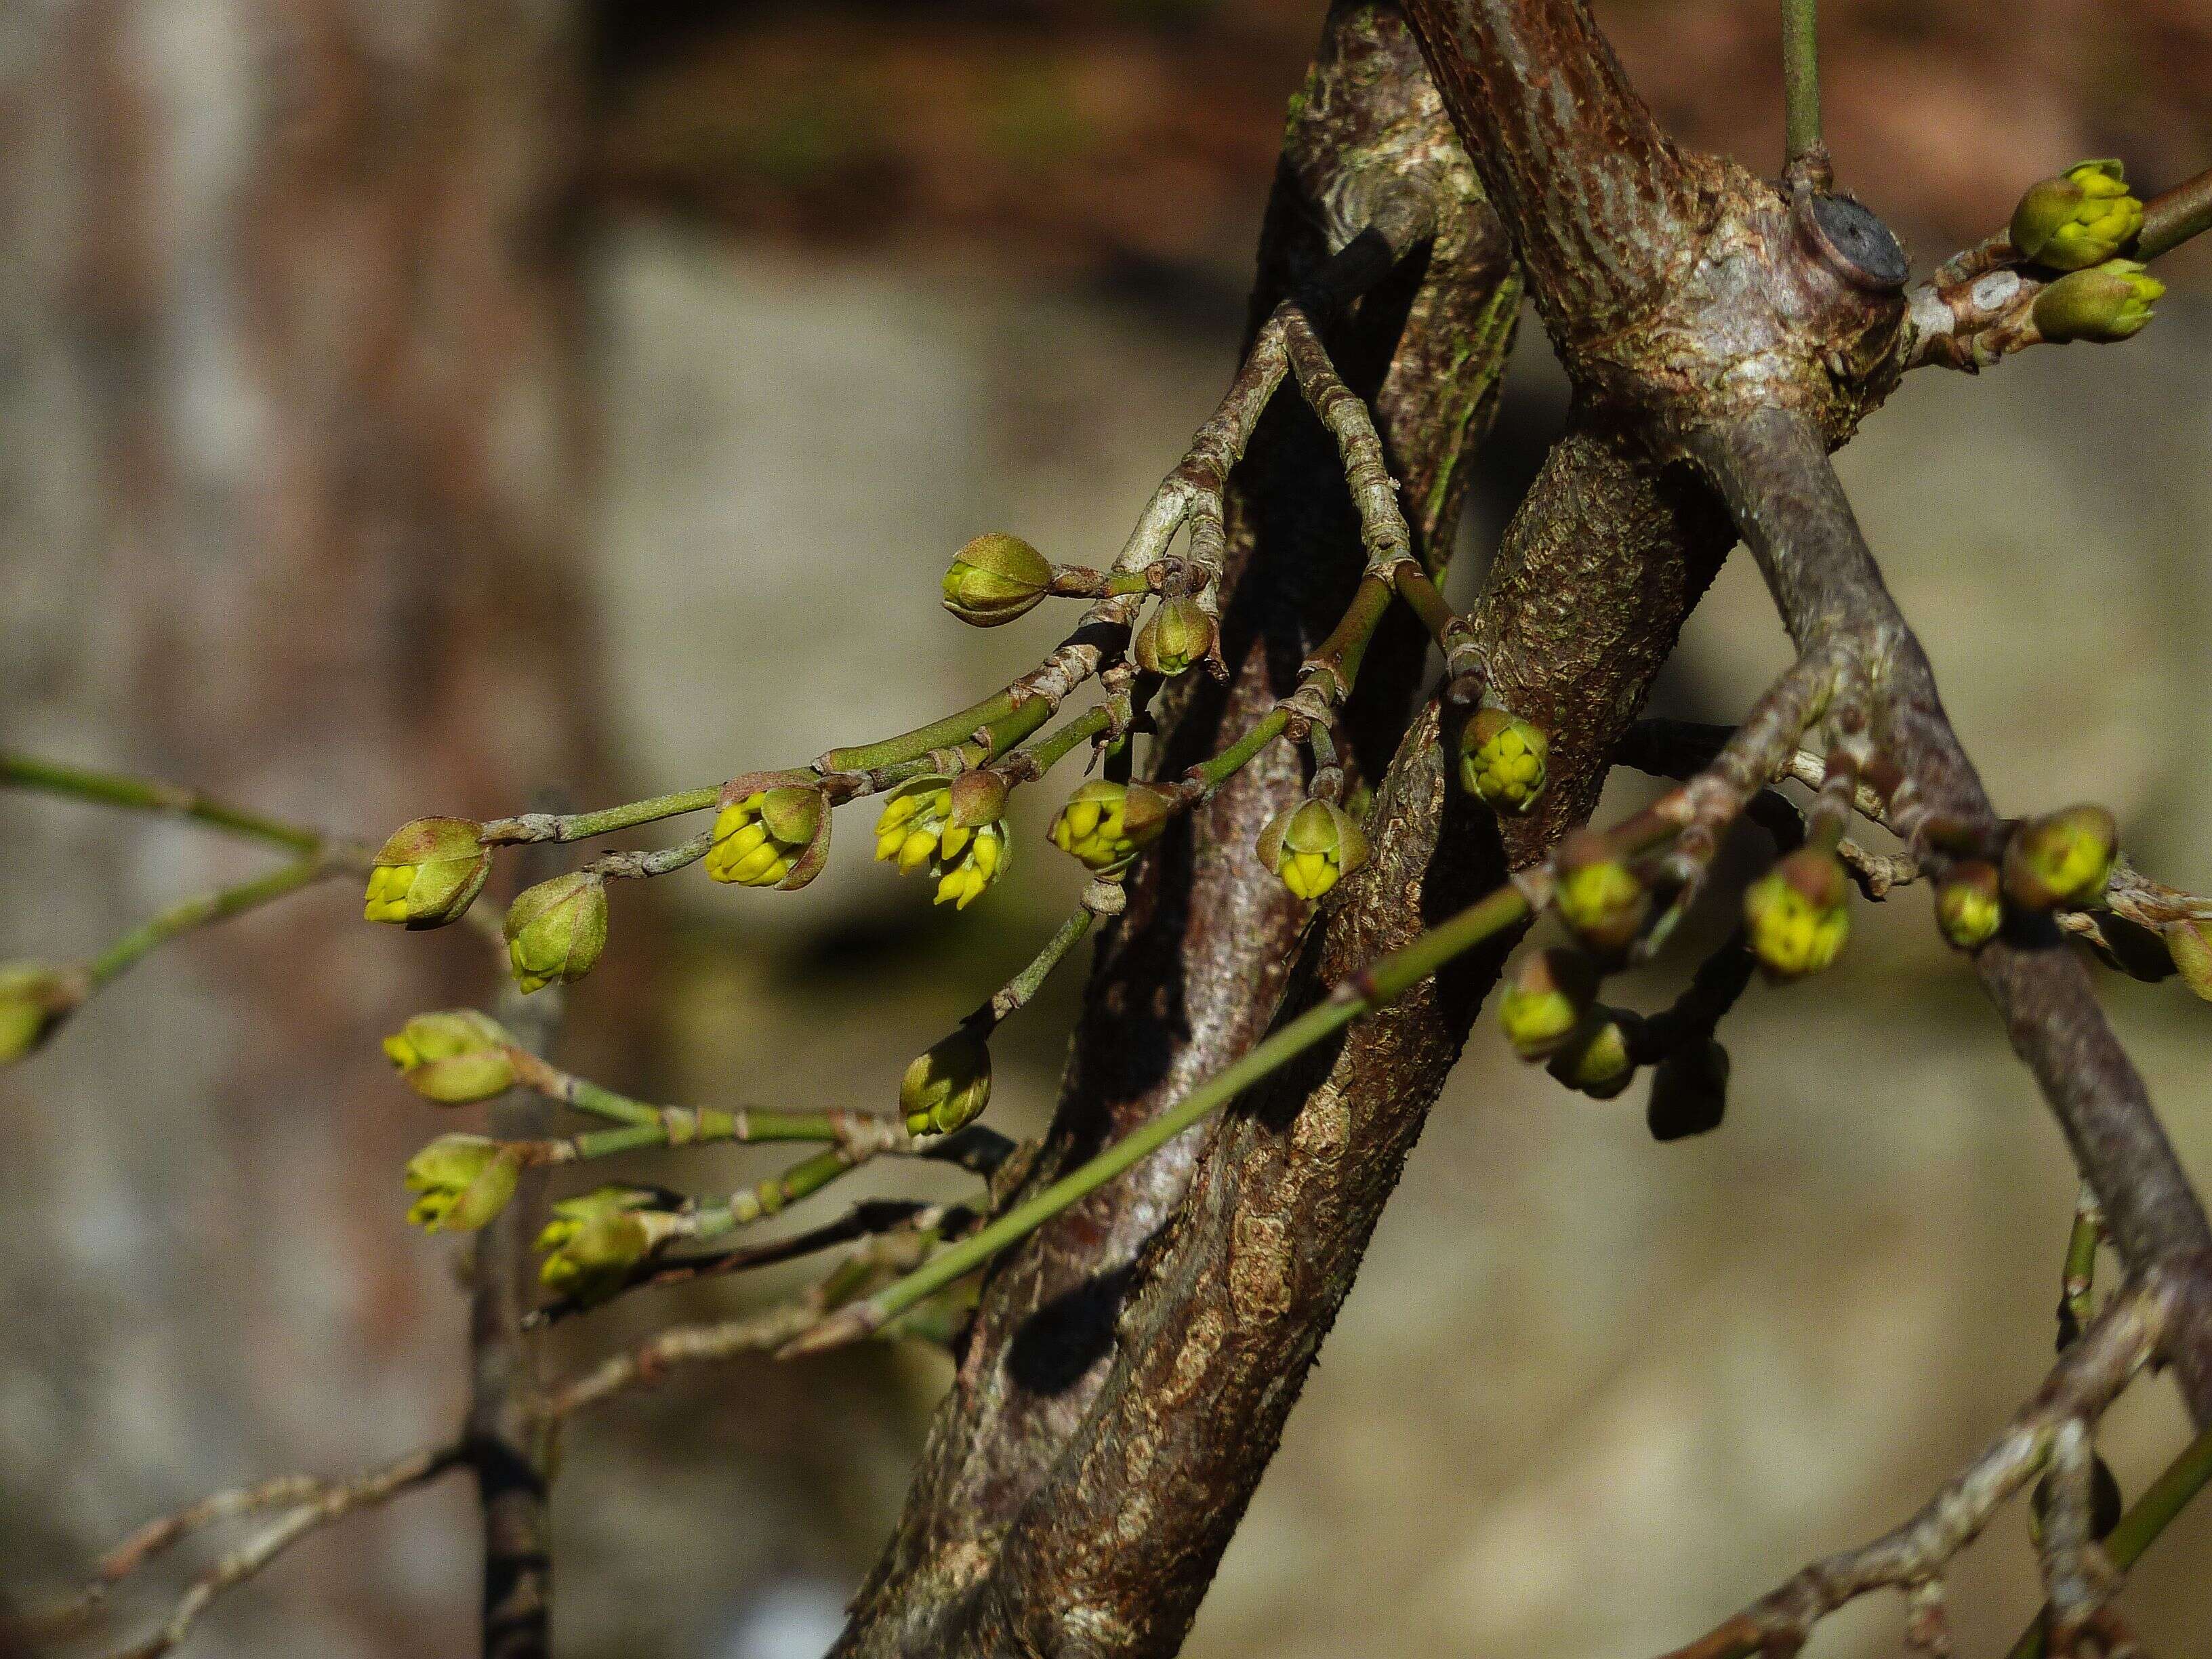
{"points": [[206, 907], [582, 826], [1805, 152], [909, 745], [1014, 995], [1034, 760], [1385, 981], [2173, 216], [1339, 655], [1211, 774], [1446, 627], [146, 795], [802, 1180], [2077, 1287], [661, 861]]}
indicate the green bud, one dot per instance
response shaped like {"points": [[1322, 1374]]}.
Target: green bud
{"points": [[461, 1181], [919, 830], [1597, 894], [597, 1241], [1177, 635], [1595, 1058], [948, 1087], [1689, 1091], [34, 999], [2082, 218], [2107, 1506], [2104, 304], [1311, 846], [556, 930], [428, 872], [454, 1058], [995, 579], [1970, 904], [769, 833], [2064, 859], [1545, 1001], [1502, 760], [2190, 944], [1798, 913]]}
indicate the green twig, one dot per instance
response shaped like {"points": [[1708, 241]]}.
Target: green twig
{"points": [[582, 826], [2173, 216], [145, 795], [199, 911], [1806, 152]]}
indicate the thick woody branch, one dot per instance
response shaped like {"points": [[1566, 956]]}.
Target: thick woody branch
{"points": [[1773, 470], [1595, 196]]}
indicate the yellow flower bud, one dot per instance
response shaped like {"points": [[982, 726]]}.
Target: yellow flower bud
{"points": [[947, 1087], [1797, 915], [1545, 1001], [2082, 218], [1597, 894], [454, 1058], [770, 834], [556, 930], [461, 1181], [1094, 827], [1312, 845], [1689, 1091], [1502, 760], [595, 1242], [2103, 303], [1177, 635], [995, 580], [2064, 859], [1970, 904], [1595, 1058], [920, 830], [427, 873], [34, 998]]}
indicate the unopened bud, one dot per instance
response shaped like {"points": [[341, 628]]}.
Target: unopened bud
{"points": [[1178, 634], [1597, 894], [1545, 1001], [2062, 859], [1312, 845], [2106, 303], [770, 834], [454, 1057], [995, 579], [427, 873], [947, 1087], [1502, 760], [1096, 826], [597, 1241], [34, 998], [556, 930], [1970, 904], [2081, 218], [1689, 1091], [461, 1181], [1797, 915], [1595, 1058]]}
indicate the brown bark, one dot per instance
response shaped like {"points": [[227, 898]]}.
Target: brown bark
{"points": [[295, 451]]}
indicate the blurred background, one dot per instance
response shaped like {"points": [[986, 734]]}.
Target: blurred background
{"points": [[409, 405]]}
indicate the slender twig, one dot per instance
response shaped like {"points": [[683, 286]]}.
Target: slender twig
{"points": [[208, 907], [147, 795], [1805, 152]]}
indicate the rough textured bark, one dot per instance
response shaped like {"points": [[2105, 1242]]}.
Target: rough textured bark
{"points": [[1190, 975], [292, 451]]}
